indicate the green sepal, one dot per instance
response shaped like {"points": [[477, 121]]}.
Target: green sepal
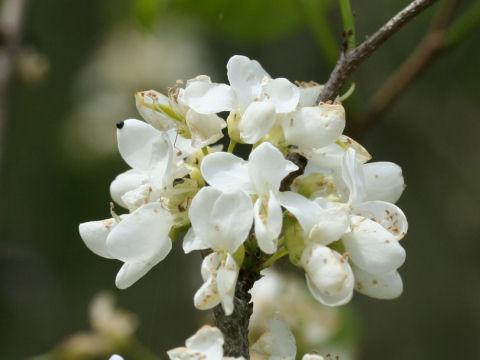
{"points": [[239, 255], [294, 240]]}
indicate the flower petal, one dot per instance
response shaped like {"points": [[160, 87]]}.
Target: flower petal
{"points": [[309, 93], [381, 286], [221, 220], [353, 177], [245, 77], [204, 129], [277, 342], [132, 271], [192, 242], [390, 216], [331, 225], [140, 144], [282, 93], [226, 172], [226, 281], [142, 234], [256, 122], [268, 226], [208, 341], [329, 276], [267, 167], [125, 182], [372, 247], [149, 106], [314, 127], [94, 235], [383, 181], [305, 210], [208, 98]]}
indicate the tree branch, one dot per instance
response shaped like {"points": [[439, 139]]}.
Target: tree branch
{"points": [[349, 62], [441, 37], [235, 326]]}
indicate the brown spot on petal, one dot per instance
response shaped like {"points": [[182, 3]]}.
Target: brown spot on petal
{"points": [[217, 228], [374, 282]]}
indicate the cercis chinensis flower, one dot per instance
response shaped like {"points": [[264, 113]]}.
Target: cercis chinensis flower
{"points": [[336, 220]]}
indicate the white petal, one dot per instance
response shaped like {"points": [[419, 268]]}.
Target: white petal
{"points": [[390, 216], [204, 129], [208, 341], [331, 225], [182, 147], [245, 77], [225, 171], [383, 181], [226, 281], [132, 271], [192, 242], [221, 220], [208, 98], [329, 276], [305, 210], [267, 167], [381, 286], [372, 247], [256, 122], [148, 105], [361, 153], [282, 93], [353, 177], [94, 235], [139, 143], [127, 181], [143, 234], [309, 93], [137, 197], [207, 296], [314, 127], [277, 342], [268, 226]]}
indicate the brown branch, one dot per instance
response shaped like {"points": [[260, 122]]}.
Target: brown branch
{"points": [[428, 49], [235, 326], [11, 23], [349, 61]]}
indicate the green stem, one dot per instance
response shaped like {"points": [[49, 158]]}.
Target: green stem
{"points": [[279, 254], [348, 24], [231, 145], [463, 26]]}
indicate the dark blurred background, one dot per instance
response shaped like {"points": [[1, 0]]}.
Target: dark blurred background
{"points": [[76, 72]]}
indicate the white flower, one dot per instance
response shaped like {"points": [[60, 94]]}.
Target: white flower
{"points": [[260, 176], [278, 343], [154, 160], [206, 344], [220, 221], [140, 240], [171, 112], [252, 95], [329, 276], [314, 127], [219, 273]]}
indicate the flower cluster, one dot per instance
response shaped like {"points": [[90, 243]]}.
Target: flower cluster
{"points": [[306, 190]]}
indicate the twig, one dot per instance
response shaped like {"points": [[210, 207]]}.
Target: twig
{"points": [[440, 37], [349, 62], [235, 326], [348, 25], [11, 23]]}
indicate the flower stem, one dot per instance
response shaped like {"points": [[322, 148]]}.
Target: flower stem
{"points": [[278, 255], [231, 146]]}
